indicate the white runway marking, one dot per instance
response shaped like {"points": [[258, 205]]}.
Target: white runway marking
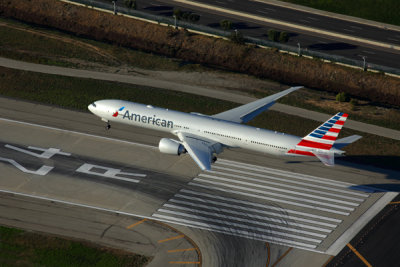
{"points": [[79, 133], [254, 204], [255, 216], [233, 218], [282, 185], [272, 199], [274, 194], [266, 204]]}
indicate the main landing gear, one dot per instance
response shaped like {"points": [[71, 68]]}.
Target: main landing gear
{"points": [[214, 159]]}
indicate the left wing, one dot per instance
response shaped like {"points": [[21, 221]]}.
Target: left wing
{"points": [[199, 148], [247, 112]]}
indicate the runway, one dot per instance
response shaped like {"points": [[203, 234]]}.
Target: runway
{"points": [[269, 205], [246, 199]]}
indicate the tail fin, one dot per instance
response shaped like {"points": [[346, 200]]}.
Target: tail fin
{"points": [[325, 135], [320, 141]]}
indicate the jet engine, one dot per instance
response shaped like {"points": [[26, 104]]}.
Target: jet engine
{"points": [[170, 146]]}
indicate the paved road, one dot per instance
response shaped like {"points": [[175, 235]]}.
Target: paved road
{"points": [[215, 93], [346, 40]]}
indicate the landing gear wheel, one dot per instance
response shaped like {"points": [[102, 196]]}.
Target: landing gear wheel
{"points": [[108, 126], [214, 159]]}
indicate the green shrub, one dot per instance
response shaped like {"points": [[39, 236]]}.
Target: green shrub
{"points": [[354, 104], [193, 17], [283, 37], [225, 24], [130, 4], [342, 97], [273, 35], [177, 13], [236, 37]]}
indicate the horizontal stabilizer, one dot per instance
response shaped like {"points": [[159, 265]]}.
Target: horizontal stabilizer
{"points": [[327, 158], [340, 143]]}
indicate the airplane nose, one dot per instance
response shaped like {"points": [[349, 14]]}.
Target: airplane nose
{"points": [[91, 107]]}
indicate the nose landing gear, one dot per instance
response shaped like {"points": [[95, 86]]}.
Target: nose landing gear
{"points": [[108, 126]]}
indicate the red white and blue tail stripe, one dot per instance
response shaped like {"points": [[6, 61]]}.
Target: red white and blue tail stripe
{"points": [[320, 141], [325, 135]]}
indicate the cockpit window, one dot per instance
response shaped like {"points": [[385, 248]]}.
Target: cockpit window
{"points": [[94, 105]]}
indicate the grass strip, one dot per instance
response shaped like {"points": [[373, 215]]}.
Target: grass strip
{"points": [[77, 93], [32, 43], [386, 11], [22, 248], [45, 46]]}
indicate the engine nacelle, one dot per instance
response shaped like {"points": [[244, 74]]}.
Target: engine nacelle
{"points": [[170, 146]]}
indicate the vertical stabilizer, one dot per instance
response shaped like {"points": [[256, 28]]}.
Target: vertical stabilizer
{"points": [[325, 135], [320, 141]]}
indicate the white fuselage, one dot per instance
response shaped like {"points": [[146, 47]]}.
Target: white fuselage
{"points": [[228, 133]]}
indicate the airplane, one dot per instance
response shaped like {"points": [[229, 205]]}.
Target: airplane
{"points": [[203, 136]]}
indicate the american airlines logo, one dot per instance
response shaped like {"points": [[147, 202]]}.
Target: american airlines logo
{"points": [[153, 120], [116, 112]]}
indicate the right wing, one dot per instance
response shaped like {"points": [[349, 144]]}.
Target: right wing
{"points": [[199, 148], [247, 112]]}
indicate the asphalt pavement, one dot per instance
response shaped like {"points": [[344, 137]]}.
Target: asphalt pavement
{"points": [[301, 209], [312, 35]]}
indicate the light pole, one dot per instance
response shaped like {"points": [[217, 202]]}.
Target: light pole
{"points": [[115, 9], [175, 21], [299, 50], [364, 63]]}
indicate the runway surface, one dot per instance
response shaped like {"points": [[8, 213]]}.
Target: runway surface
{"points": [[246, 199]]}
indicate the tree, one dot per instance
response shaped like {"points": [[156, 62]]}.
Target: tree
{"points": [[237, 37], [342, 97], [194, 17], [185, 15], [273, 35], [283, 37], [130, 4], [177, 13], [225, 24]]}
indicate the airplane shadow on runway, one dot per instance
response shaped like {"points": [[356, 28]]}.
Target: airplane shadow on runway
{"points": [[332, 46], [378, 188], [387, 165]]}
